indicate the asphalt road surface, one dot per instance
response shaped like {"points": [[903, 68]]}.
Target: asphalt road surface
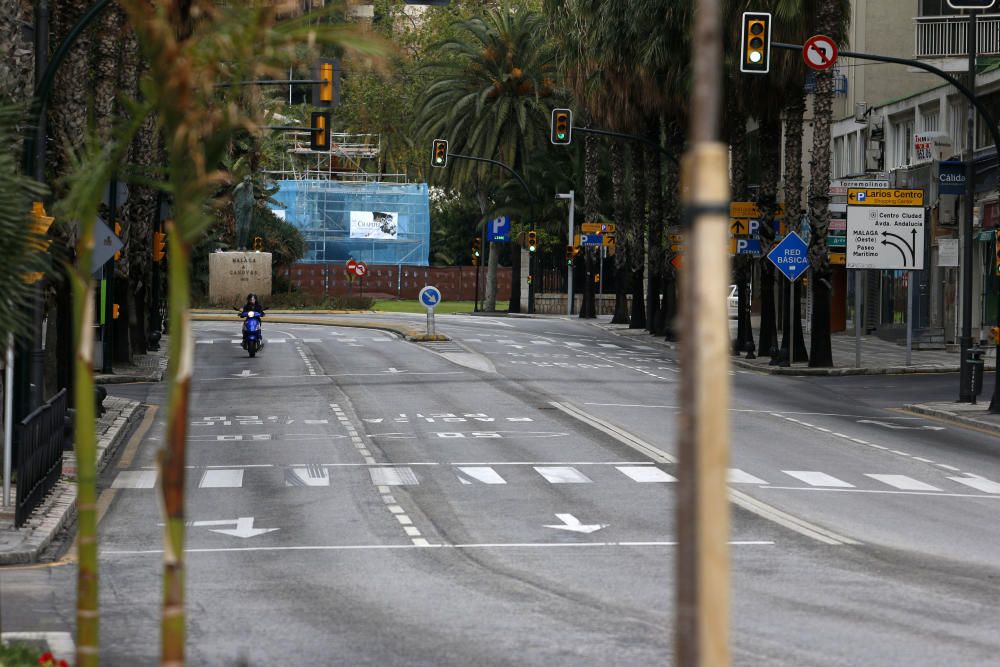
{"points": [[508, 499]]}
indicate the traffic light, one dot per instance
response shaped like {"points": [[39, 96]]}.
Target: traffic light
{"points": [[755, 42], [327, 93], [159, 246], [439, 153], [569, 254], [114, 311], [995, 335], [118, 233], [532, 240], [996, 259], [319, 131], [39, 227], [562, 127], [476, 245], [258, 244]]}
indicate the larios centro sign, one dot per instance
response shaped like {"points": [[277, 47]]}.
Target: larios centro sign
{"points": [[885, 229]]}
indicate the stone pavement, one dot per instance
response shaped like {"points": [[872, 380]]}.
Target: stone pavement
{"points": [[977, 415], [148, 367]]}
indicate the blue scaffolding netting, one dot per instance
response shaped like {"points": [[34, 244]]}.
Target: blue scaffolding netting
{"points": [[378, 223]]}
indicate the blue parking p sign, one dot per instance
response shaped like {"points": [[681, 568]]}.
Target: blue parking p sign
{"points": [[500, 228], [791, 256]]}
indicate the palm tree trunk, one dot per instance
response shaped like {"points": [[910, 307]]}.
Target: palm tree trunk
{"points": [[590, 209], [637, 217], [621, 252], [742, 264], [172, 456], [85, 445], [827, 19], [654, 254], [770, 150]]}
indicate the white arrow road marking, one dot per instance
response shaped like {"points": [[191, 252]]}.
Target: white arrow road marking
{"points": [[900, 427], [244, 527], [394, 370], [244, 374], [572, 524]]}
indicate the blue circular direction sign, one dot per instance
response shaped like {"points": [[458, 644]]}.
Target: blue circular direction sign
{"points": [[429, 297]]}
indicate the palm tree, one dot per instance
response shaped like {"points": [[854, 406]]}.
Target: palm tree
{"points": [[832, 19], [491, 97]]}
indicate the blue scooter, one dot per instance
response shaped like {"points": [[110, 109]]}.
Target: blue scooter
{"points": [[253, 338]]}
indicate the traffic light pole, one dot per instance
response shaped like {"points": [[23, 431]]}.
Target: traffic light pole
{"points": [[965, 340], [531, 265], [631, 137]]}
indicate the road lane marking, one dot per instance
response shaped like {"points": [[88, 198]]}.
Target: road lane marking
{"points": [[312, 475], [135, 479], [978, 483], [393, 547], [393, 476], [903, 482], [737, 476], [813, 478], [128, 454], [881, 492], [646, 474], [221, 478], [483, 474], [562, 475]]}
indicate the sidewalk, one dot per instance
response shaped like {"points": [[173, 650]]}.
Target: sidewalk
{"points": [[26, 544], [961, 413]]}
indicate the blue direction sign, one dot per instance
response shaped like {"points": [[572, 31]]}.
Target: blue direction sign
{"points": [[791, 256], [748, 247], [429, 297], [500, 228], [591, 239]]}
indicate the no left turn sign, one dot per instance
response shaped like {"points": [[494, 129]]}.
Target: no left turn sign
{"points": [[820, 52]]}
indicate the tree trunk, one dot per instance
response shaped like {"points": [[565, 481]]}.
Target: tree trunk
{"points": [[768, 334], [654, 256], [821, 353], [770, 143], [621, 252], [514, 305], [590, 209], [742, 264], [793, 201], [490, 292], [637, 219]]}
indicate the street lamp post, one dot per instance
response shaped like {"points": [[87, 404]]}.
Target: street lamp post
{"points": [[571, 196]]}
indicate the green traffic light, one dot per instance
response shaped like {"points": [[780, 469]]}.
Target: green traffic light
{"points": [[561, 135]]}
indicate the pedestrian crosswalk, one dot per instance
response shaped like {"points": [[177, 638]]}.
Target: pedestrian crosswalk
{"points": [[500, 474], [268, 339]]}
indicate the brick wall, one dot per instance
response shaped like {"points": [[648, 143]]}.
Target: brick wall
{"points": [[457, 283]]}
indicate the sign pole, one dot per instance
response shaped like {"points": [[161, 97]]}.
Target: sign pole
{"points": [[858, 305], [791, 326], [909, 316], [965, 340]]}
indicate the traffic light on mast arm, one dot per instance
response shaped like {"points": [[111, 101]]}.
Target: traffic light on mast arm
{"points": [[159, 246], [326, 93], [319, 131], [532, 240], [439, 153], [996, 261], [755, 43], [40, 223], [562, 127]]}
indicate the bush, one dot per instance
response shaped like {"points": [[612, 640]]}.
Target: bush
{"points": [[23, 655]]}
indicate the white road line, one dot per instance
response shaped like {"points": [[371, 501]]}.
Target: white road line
{"points": [[311, 340], [562, 475], [948, 467], [922, 459], [978, 483], [135, 479], [483, 474], [903, 482], [573, 344], [610, 345], [880, 492], [392, 547], [277, 340], [393, 476], [541, 342], [646, 474], [814, 478], [737, 476], [412, 531], [222, 478], [307, 476], [205, 342]]}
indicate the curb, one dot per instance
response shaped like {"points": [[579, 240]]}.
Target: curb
{"points": [[946, 415], [126, 378], [59, 507], [407, 332]]}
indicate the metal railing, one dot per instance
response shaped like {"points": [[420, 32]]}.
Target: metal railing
{"points": [[945, 36], [40, 439]]}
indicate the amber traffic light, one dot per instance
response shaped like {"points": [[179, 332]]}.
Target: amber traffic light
{"points": [[319, 131], [755, 42], [439, 153], [562, 127], [159, 246], [326, 93]]}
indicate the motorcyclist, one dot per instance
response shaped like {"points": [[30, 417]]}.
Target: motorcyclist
{"points": [[252, 304]]}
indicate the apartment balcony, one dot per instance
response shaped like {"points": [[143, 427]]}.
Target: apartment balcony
{"points": [[942, 40]]}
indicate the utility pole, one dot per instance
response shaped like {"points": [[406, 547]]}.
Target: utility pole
{"points": [[701, 630], [965, 394], [571, 196]]}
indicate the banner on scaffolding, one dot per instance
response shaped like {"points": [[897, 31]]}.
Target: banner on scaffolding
{"points": [[374, 225]]}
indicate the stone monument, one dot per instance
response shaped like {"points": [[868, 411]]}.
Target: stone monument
{"points": [[233, 275]]}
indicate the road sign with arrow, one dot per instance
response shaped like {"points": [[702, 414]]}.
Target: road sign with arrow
{"points": [[820, 52], [885, 229]]}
